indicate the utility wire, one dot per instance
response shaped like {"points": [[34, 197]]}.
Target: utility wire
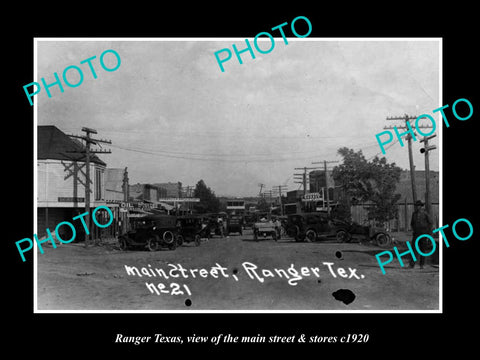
{"points": [[186, 157]]}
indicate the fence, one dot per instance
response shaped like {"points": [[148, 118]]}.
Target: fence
{"points": [[402, 220]]}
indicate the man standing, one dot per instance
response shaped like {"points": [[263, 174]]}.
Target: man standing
{"points": [[421, 223]]}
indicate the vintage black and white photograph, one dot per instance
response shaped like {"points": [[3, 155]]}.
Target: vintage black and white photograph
{"points": [[213, 175]]}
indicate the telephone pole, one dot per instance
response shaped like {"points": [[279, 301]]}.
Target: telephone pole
{"points": [[88, 141], [425, 150], [303, 177], [278, 189], [261, 187], [325, 162], [125, 186], [407, 119]]}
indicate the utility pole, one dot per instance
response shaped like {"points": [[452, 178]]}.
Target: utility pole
{"points": [[126, 194], [88, 141], [125, 186], [325, 162], [303, 177], [279, 189], [407, 119], [261, 187], [425, 150]]}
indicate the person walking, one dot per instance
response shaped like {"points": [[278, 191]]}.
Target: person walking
{"points": [[421, 223]]}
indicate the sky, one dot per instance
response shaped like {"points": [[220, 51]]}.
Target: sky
{"points": [[173, 115]]}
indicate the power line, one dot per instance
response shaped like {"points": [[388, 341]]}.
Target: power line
{"points": [[175, 156], [234, 134], [219, 154], [407, 118], [88, 151]]}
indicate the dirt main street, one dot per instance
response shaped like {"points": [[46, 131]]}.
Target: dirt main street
{"points": [[72, 277]]}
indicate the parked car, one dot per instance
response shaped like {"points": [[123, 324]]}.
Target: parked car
{"points": [[189, 229], [235, 224], [216, 223], [317, 225], [378, 235], [266, 229], [151, 232]]}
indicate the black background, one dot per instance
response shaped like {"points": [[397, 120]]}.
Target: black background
{"points": [[91, 334]]}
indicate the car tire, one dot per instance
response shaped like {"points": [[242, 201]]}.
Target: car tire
{"points": [[382, 239], [198, 239], [310, 235], [122, 243], [153, 243], [173, 245], [343, 236], [180, 240], [168, 237]]}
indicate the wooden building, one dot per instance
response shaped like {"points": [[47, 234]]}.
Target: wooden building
{"points": [[60, 185]]}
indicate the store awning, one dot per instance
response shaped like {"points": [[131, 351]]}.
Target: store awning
{"points": [[166, 206]]}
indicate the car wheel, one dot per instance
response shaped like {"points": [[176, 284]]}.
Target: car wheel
{"points": [[382, 239], [198, 239], [311, 236], [342, 236], [122, 242], [153, 243], [173, 245], [168, 237], [180, 240]]}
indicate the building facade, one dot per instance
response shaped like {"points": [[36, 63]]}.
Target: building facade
{"points": [[61, 180], [170, 189], [116, 196]]}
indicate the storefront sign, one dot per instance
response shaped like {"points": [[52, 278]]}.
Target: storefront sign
{"points": [[71, 199], [179, 200], [312, 197]]}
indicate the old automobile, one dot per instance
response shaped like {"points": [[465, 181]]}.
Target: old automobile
{"points": [[266, 229], [215, 223], [190, 229], [235, 224], [375, 234], [152, 232], [315, 226]]}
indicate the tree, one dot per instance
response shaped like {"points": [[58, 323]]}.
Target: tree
{"points": [[364, 182], [208, 201], [262, 205]]}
